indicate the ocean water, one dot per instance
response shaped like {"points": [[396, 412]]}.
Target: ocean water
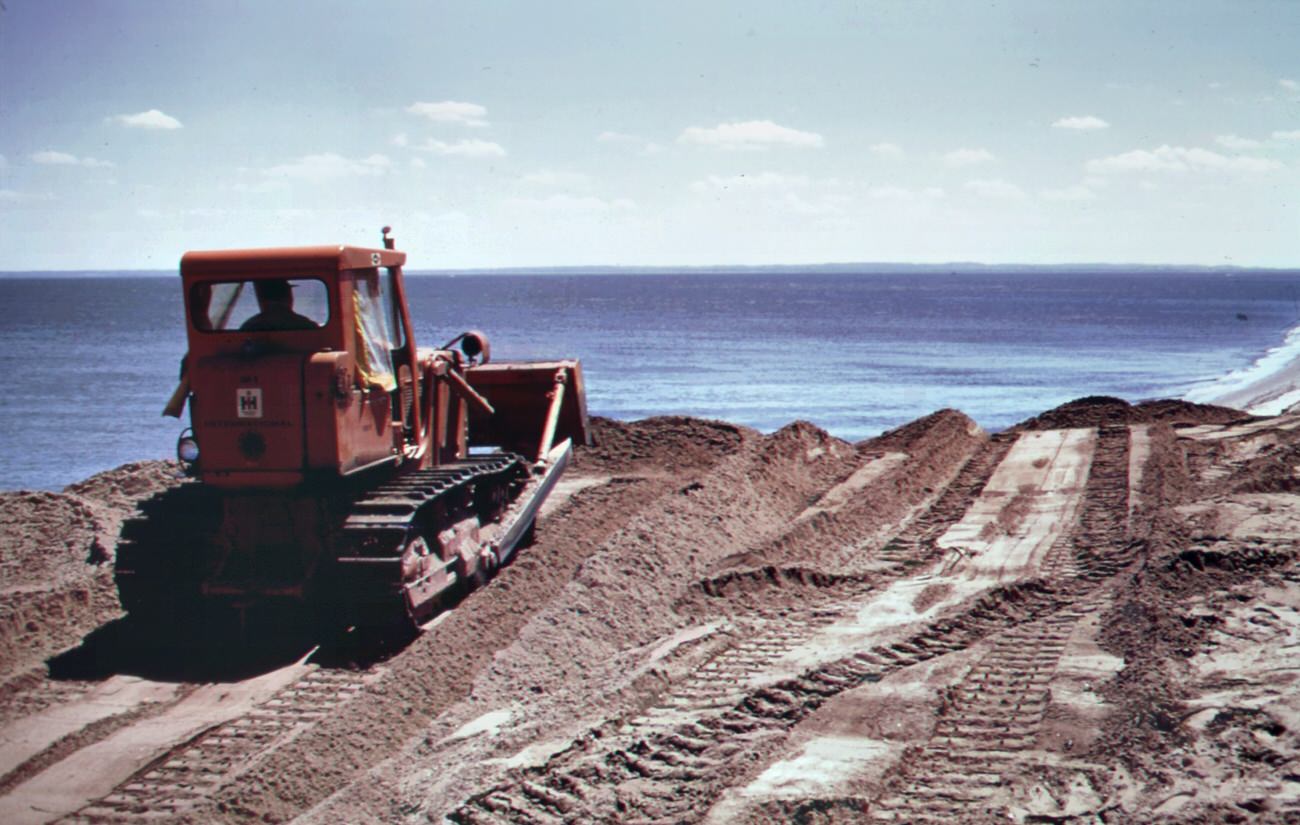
{"points": [[90, 360]]}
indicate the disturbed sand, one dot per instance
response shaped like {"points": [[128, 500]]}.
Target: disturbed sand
{"points": [[1091, 617]]}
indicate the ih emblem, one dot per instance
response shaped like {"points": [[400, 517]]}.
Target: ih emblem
{"points": [[249, 400]]}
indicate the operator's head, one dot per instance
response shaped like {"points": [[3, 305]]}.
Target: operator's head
{"points": [[273, 293]]}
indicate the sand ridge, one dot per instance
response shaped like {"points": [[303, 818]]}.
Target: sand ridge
{"points": [[1087, 618]]}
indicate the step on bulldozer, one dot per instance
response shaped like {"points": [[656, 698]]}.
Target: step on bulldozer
{"points": [[335, 465]]}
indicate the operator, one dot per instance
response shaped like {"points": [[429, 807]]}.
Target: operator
{"points": [[275, 300]]}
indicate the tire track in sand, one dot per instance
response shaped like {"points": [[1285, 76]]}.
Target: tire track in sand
{"points": [[641, 775]]}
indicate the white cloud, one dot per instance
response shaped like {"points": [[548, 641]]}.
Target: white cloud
{"points": [[617, 137], [1289, 84], [418, 163], [472, 148], [1178, 159], [49, 157], [750, 134], [899, 193], [14, 196], [1237, 143], [886, 150], [557, 178], [968, 157], [1293, 134], [328, 166], [152, 119], [796, 203], [625, 139], [995, 189], [1070, 194], [451, 111], [400, 140], [573, 203], [762, 180], [1081, 122]]}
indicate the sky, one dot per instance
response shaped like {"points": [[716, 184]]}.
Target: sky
{"points": [[525, 134]]}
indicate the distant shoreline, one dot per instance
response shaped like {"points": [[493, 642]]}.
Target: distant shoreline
{"points": [[864, 268]]}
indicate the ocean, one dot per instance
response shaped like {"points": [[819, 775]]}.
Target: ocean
{"points": [[92, 358]]}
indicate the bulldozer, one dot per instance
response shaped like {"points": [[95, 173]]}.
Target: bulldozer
{"points": [[336, 467]]}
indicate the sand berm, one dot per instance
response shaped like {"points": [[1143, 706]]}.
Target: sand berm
{"points": [[1090, 617]]}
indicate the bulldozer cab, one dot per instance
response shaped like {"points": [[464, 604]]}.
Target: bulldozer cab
{"points": [[295, 362]]}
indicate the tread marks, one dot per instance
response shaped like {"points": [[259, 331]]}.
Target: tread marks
{"points": [[739, 717], [995, 712], [188, 776], [997, 708]]}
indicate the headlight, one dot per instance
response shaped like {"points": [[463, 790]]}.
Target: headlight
{"points": [[187, 449]]}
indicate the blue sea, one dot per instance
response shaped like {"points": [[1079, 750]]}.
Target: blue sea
{"points": [[90, 359]]}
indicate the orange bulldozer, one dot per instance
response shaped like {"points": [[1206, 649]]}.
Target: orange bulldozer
{"points": [[335, 465]]}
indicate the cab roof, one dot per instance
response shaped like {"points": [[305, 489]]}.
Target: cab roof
{"points": [[287, 258]]}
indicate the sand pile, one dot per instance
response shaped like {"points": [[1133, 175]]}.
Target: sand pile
{"points": [[56, 552], [1091, 617]]}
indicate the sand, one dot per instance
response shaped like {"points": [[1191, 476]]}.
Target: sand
{"points": [[1090, 617]]}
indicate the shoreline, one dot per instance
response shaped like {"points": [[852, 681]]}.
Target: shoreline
{"points": [[1272, 393]]}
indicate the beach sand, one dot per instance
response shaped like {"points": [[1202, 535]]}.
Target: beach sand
{"points": [[1089, 617]]}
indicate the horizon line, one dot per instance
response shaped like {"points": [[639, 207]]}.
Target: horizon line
{"points": [[650, 268]]}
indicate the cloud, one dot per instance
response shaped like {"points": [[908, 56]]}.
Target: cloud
{"points": [[152, 119], [573, 204], [327, 167], [762, 180], [1178, 159], [886, 150], [1237, 143], [968, 157], [1289, 84], [451, 111], [1083, 123], [1293, 134], [1070, 194], [625, 139], [616, 137], [557, 178], [472, 148], [14, 196], [899, 193], [750, 134], [49, 157], [400, 139], [995, 189]]}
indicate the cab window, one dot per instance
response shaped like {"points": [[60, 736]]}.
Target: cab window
{"points": [[375, 336], [259, 305]]}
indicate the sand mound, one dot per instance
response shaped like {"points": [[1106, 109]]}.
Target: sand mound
{"points": [[670, 443], [1094, 410], [55, 550]]}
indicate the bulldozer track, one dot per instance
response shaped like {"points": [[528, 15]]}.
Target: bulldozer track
{"points": [[995, 712], [186, 776], [650, 771], [726, 709]]}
